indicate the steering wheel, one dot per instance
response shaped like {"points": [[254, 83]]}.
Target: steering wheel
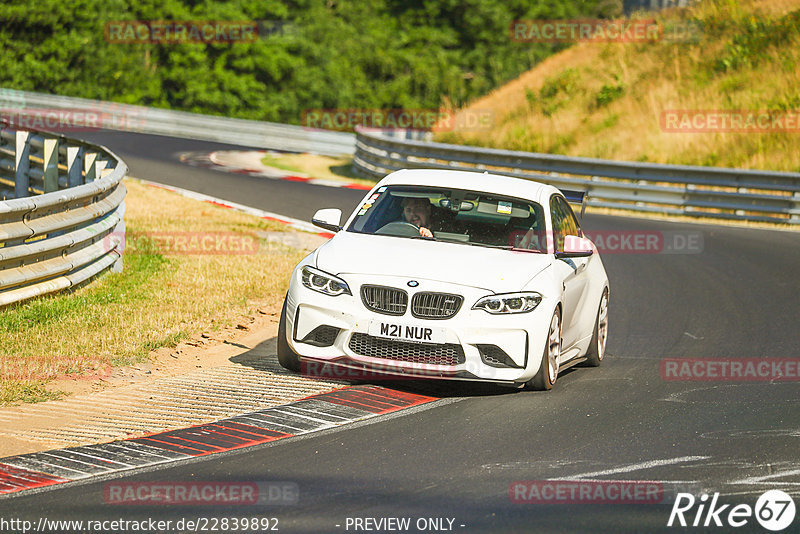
{"points": [[399, 228]]}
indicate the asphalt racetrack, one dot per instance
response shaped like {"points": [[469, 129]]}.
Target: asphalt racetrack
{"points": [[735, 296]]}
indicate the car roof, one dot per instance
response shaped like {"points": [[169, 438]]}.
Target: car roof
{"points": [[475, 181]]}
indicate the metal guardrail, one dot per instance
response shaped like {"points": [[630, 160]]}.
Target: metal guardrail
{"points": [[744, 195], [155, 121], [644, 187], [61, 213], [631, 6]]}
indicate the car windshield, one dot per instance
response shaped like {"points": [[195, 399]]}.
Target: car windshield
{"points": [[453, 215]]}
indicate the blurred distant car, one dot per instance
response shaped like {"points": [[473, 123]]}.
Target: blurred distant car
{"points": [[450, 275]]}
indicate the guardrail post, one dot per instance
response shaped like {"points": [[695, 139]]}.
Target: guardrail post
{"points": [[795, 218], [22, 161], [74, 166], [76, 220], [50, 165], [89, 159], [119, 231], [100, 168]]}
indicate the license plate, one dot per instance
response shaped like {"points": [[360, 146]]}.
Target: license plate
{"points": [[407, 332]]}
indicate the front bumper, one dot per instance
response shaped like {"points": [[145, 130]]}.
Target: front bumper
{"points": [[470, 351]]}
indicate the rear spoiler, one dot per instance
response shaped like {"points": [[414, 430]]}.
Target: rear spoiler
{"points": [[576, 197]]}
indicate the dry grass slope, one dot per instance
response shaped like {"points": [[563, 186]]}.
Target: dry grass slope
{"points": [[605, 100], [159, 298]]}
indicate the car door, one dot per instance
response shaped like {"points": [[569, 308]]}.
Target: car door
{"points": [[571, 271]]}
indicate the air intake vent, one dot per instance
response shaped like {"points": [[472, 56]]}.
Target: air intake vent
{"points": [[386, 300], [435, 305], [389, 349], [321, 336], [494, 356]]}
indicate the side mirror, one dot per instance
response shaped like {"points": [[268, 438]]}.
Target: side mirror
{"points": [[576, 247], [328, 219]]}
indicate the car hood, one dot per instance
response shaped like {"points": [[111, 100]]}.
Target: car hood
{"points": [[492, 269]]}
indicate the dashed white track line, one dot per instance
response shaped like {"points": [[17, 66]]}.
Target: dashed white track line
{"points": [[639, 466], [763, 479]]}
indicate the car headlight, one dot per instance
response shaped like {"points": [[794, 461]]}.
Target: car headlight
{"points": [[508, 303], [323, 282]]}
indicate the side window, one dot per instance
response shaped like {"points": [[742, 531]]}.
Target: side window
{"points": [[571, 219], [529, 233], [559, 220]]}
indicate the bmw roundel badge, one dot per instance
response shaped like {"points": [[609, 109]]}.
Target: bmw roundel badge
{"points": [[413, 283]]}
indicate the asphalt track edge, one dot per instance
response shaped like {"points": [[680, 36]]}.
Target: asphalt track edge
{"points": [[433, 402]]}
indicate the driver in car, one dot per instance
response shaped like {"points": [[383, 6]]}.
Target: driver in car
{"points": [[417, 211]]}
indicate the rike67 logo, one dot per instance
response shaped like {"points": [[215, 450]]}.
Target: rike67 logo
{"points": [[774, 510]]}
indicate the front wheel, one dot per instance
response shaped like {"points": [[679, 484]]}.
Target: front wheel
{"points": [[286, 356], [597, 348], [548, 369]]}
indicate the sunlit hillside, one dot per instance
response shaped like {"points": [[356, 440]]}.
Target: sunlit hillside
{"points": [[613, 100]]}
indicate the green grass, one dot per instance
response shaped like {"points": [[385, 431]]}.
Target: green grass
{"points": [[609, 93], [109, 292], [316, 166], [118, 288], [170, 340], [278, 163], [28, 391], [159, 299]]}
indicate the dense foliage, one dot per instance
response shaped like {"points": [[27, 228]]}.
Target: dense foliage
{"points": [[418, 54], [740, 58]]}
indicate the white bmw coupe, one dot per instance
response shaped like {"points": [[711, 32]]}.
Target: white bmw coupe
{"points": [[450, 275]]}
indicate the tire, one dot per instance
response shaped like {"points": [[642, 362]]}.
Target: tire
{"points": [[597, 348], [286, 356], [548, 369]]}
